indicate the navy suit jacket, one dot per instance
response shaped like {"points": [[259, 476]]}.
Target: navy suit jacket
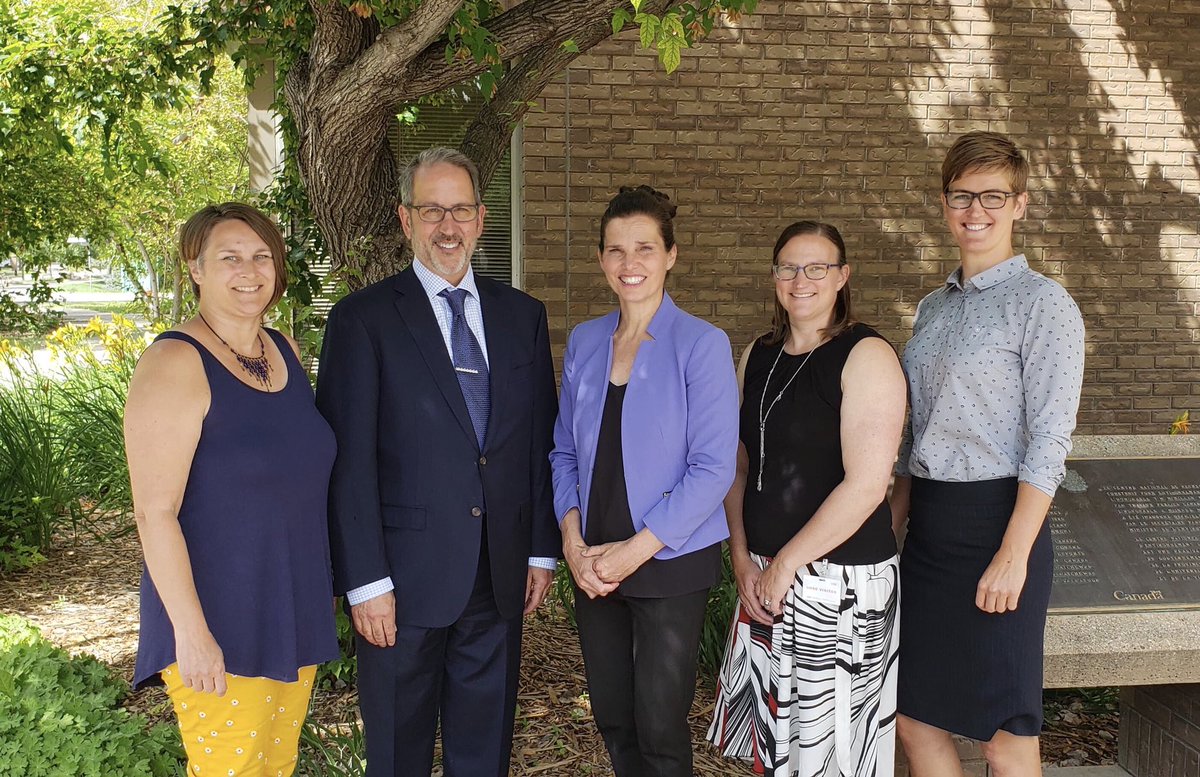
{"points": [[410, 486]]}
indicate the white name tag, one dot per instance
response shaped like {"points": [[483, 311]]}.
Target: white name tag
{"points": [[821, 589]]}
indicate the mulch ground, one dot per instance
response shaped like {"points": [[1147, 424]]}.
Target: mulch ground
{"points": [[85, 599]]}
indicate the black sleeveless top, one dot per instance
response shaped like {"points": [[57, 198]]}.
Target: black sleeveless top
{"points": [[803, 449], [609, 519]]}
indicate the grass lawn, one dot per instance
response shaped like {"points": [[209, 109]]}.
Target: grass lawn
{"points": [[117, 307]]}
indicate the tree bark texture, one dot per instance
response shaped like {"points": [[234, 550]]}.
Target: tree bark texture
{"points": [[345, 93]]}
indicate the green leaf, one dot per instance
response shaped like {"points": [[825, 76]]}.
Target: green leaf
{"points": [[570, 46], [668, 54], [637, 5], [620, 17], [649, 29]]}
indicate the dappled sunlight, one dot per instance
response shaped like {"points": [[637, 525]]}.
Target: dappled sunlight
{"points": [[1161, 142]]}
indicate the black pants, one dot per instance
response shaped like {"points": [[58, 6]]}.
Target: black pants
{"points": [[640, 659]]}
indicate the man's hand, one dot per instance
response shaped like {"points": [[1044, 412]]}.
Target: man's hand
{"points": [[536, 585], [375, 619]]}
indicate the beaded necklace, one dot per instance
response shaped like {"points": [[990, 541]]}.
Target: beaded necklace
{"points": [[258, 367]]}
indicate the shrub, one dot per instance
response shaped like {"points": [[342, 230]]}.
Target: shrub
{"points": [[35, 489], [58, 715], [334, 750], [342, 672], [62, 450]]}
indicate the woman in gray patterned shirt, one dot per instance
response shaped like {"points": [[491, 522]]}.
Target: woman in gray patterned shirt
{"points": [[994, 370]]}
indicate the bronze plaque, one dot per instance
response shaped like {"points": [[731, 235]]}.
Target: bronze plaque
{"points": [[1127, 535]]}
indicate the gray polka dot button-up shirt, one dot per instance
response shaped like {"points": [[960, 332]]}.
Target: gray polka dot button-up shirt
{"points": [[994, 372]]}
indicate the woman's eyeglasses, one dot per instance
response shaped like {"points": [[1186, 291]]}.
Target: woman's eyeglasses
{"points": [[960, 199], [814, 272]]}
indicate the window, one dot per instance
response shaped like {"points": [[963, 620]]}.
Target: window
{"points": [[498, 254]]}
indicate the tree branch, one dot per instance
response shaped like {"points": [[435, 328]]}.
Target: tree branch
{"points": [[380, 67], [338, 37], [485, 140], [528, 26]]}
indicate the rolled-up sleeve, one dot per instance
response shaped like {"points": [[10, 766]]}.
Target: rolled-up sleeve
{"points": [[712, 438], [1052, 354]]}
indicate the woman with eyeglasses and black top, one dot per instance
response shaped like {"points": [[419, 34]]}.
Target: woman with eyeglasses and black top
{"points": [[994, 371], [808, 686]]}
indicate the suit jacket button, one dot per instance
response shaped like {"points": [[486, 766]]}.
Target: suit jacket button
{"points": [[475, 511], [482, 461]]}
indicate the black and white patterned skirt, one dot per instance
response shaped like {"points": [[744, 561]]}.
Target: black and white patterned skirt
{"points": [[814, 695]]}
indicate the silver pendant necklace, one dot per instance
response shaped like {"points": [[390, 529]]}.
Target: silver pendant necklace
{"points": [[762, 417]]}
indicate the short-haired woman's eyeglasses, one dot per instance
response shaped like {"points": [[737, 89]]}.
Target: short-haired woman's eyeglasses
{"points": [[814, 272], [435, 213], [960, 199]]}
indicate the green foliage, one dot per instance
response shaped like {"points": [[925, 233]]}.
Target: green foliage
{"points": [[334, 750], [680, 27], [722, 601], [342, 672], [62, 451], [59, 715], [70, 74], [36, 493], [562, 591]]}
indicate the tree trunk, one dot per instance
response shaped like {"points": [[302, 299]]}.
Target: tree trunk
{"points": [[155, 293], [177, 298]]}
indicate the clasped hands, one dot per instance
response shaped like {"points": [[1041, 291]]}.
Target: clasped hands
{"points": [[599, 569], [763, 591]]}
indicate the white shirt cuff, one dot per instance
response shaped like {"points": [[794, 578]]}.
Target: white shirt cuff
{"points": [[541, 562], [369, 591]]}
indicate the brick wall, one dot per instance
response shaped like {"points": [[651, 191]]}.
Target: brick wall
{"points": [[842, 111], [1160, 730]]}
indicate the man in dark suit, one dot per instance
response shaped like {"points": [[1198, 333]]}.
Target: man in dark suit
{"points": [[440, 388]]}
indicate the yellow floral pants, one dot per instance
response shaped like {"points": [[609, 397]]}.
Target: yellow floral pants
{"points": [[251, 731]]}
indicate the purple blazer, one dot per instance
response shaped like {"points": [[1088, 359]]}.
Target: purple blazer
{"points": [[679, 426]]}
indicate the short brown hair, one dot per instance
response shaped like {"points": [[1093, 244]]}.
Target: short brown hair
{"points": [[193, 237], [979, 151], [843, 318]]}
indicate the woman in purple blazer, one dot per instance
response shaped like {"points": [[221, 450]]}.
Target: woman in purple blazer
{"points": [[645, 451]]}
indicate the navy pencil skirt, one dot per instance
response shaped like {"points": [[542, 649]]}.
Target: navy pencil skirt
{"points": [[961, 669]]}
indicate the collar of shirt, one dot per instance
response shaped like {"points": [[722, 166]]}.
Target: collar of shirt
{"points": [[434, 284], [472, 309], [1009, 268]]}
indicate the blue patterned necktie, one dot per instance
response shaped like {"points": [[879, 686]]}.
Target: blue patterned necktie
{"points": [[469, 364]]}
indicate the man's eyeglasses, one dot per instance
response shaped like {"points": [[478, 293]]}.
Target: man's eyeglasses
{"points": [[432, 214], [960, 199], [814, 272]]}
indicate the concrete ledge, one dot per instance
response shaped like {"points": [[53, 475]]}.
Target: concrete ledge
{"points": [[1084, 771], [1134, 446], [1122, 648]]}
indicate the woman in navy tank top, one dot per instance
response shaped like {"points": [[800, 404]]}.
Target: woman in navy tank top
{"points": [[229, 462]]}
